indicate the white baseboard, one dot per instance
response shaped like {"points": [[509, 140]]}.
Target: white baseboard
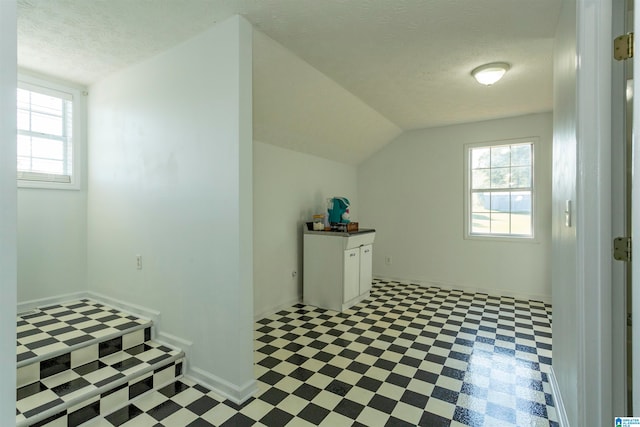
{"points": [[175, 343], [269, 311], [490, 291], [557, 399], [236, 394], [44, 302]]}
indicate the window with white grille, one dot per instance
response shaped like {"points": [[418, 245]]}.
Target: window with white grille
{"points": [[45, 140], [500, 189]]}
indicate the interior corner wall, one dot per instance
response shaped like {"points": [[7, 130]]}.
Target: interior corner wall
{"points": [[289, 188], [170, 180], [8, 205], [411, 191]]}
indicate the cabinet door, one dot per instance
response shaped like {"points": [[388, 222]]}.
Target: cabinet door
{"points": [[351, 274], [366, 267]]}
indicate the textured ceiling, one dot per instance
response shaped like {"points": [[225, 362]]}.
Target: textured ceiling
{"points": [[409, 60], [297, 107]]}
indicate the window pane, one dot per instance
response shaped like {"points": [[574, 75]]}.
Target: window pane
{"points": [[23, 99], [521, 177], [480, 202], [480, 223], [24, 145], [47, 166], [521, 213], [47, 148], [500, 177], [500, 156], [521, 202], [480, 158], [43, 123], [480, 179], [500, 202], [24, 163], [500, 223], [46, 104], [521, 155], [23, 120], [521, 224]]}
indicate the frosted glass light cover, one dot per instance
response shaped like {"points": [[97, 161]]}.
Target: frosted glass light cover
{"points": [[490, 73]]}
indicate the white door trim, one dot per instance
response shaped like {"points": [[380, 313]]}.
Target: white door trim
{"points": [[593, 211]]}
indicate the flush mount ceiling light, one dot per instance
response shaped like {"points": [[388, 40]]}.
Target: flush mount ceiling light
{"points": [[488, 74]]}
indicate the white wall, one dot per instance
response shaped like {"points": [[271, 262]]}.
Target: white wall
{"points": [[289, 187], [565, 350], [52, 243], [8, 211], [170, 179], [411, 191]]}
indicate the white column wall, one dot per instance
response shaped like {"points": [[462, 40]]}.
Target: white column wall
{"points": [[8, 251], [170, 175]]}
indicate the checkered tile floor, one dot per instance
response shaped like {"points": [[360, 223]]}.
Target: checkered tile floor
{"points": [[92, 378], [407, 356], [60, 328]]}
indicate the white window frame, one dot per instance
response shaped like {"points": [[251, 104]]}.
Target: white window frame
{"points": [[55, 89], [467, 215]]}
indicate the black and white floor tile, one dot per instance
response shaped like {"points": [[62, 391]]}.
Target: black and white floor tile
{"points": [[78, 359], [408, 356], [60, 328], [137, 366]]}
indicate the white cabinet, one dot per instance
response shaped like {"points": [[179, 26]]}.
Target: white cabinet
{"points": [[337, 268]]}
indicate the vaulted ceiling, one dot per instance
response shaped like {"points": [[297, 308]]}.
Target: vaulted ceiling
{"points": [[335, 78]]}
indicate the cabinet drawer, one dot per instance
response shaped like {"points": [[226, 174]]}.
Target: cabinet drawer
{"points": [[357, 240]]}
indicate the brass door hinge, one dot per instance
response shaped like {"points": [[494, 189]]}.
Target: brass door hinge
{"points": [[623, 47], [622, 248]]}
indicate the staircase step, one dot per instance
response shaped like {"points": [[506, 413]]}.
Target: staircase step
{"points": [[38, 371], [76, 395], [60, 329]]}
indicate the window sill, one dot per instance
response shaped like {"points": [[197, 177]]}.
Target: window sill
{"points": [[46, 185], [503, 239]]}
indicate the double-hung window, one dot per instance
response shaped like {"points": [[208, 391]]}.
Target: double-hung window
{"points": [[46, 137], [499, 192]]}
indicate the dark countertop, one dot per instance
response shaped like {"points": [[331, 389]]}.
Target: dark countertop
{"points": [[340, 233]]}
